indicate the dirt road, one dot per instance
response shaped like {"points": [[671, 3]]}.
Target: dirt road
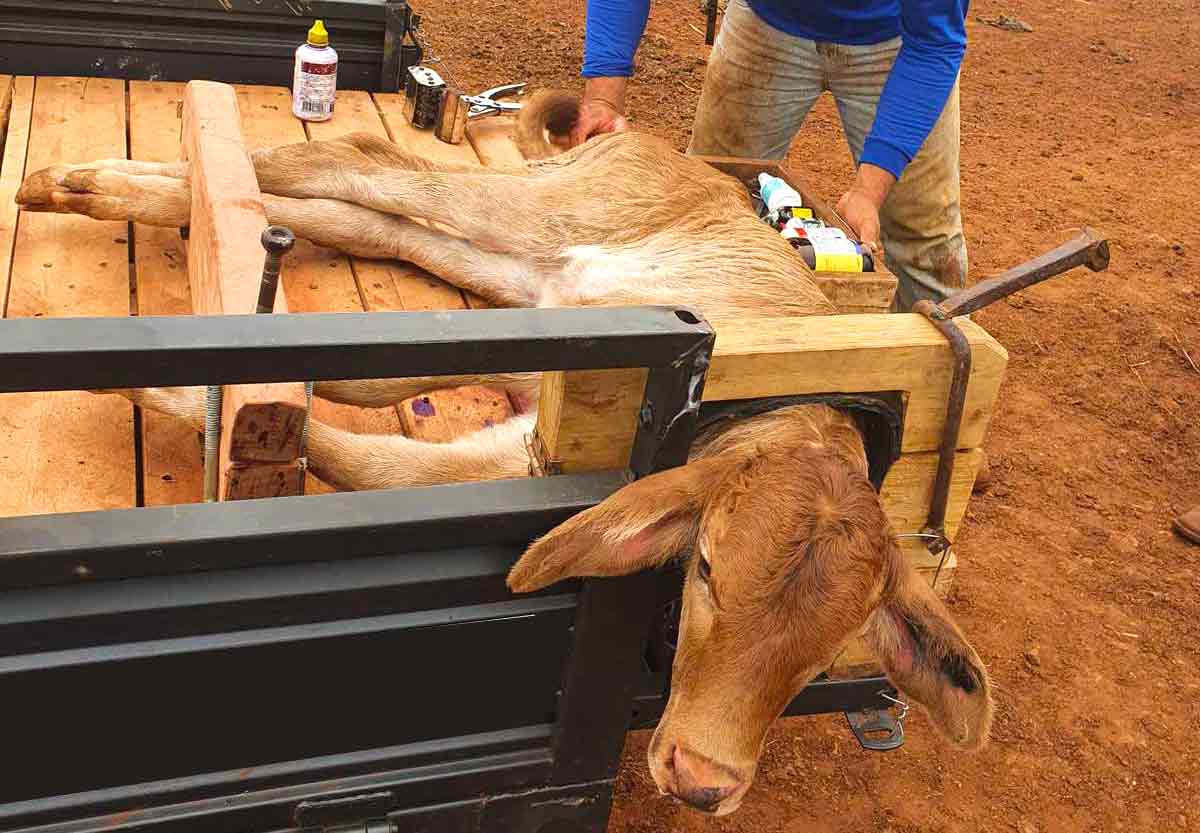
{"points": [[1071, 585]]}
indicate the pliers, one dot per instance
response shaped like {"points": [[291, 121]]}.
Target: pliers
{"points": [[487, 102]]}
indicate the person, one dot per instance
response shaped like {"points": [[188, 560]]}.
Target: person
{"points": [[1187, 525], [892, 67]]}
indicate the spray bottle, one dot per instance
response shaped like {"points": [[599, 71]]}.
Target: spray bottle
{"points": [[315, 82]]}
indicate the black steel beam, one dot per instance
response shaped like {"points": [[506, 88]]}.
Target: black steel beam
{"points": [[78, 547], [90, 353]]}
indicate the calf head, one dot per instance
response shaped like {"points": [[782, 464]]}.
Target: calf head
{"points": [[790, 556]]}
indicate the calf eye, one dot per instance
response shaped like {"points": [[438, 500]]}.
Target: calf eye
{"points": [[704, 569]]}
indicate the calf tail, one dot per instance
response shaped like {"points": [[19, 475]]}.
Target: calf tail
{"points": [[556, 111]]}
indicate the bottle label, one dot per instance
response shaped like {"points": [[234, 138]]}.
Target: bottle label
{"points": [[316, 85], [835, 254], [776, 193]]}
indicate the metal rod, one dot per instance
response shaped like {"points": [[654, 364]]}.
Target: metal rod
{"points": [[278, 241], [212, 442], [961, 349], [1088, 249]]}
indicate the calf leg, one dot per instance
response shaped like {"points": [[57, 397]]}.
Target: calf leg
{"points": [[522, 389], [372, 461], [378, 461]]}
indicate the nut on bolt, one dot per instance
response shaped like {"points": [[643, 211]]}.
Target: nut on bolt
{"points": [[278, 240]]}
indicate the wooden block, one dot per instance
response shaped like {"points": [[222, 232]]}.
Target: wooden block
{"points": [[68, 451], [908, 488], [760, 357], [857, 293], [18, 113], [492, 139], [260, 423], [172, 461], [248, 481], [316, 279]]}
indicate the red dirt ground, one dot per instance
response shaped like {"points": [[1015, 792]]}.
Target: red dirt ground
{"points": [[1071, 585]]}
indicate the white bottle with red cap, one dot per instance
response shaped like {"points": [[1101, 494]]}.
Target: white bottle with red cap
{"points": [[314, 85]]}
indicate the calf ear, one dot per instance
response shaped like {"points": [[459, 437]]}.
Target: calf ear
{"points": [[927, 657], [643, 525]]}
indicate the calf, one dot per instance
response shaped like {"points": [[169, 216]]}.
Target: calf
{"points": [[790, 554]]}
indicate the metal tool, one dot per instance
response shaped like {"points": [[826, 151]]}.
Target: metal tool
{"points": [[1088, 249], [278, 241], [488, 103]]}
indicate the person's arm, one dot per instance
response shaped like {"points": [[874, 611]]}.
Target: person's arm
{"points": [[613, 31], [926, 69]]}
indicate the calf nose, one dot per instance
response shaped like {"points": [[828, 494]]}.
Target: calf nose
{"points": [[700, 782]]}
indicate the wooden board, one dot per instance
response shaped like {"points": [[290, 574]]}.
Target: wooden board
{"points": [[259, 423], [315, 279], [6, 92], [18, 115], [172, 459], [68, 451], [492, 139]]}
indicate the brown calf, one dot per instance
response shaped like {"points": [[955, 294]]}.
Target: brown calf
{"points": [[791, 554]]}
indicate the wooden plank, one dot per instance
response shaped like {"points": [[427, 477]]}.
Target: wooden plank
{"points": [[315, 279], [260, 423], [6, 92], [492, 139], [12, 170], [855, 293], [172, 459], [421, 142], [67, 451]]}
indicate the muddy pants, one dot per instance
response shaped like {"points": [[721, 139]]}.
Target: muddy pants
{"points": [[759, 87]]}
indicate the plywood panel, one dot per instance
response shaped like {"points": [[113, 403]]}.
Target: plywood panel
{"points": [[69, 451]]}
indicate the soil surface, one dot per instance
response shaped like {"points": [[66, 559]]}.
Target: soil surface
{"points": [[1071, 585]]}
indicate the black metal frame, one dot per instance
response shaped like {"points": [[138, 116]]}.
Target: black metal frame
{"points": [[161, 633], [237, 41]]}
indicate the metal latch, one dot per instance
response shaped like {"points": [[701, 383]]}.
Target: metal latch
{"points": [[362, 813], [878, 730]]}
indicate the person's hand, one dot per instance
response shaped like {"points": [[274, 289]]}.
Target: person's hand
{"points": [[602, 109], [860, 205]]}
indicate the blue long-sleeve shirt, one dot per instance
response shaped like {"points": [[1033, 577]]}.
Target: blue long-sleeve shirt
{"points": [[934, 39]]}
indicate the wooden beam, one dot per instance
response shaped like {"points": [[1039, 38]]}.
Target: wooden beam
{"points": [[260, 423], [855, 293], [759, 357], [19, 113]]}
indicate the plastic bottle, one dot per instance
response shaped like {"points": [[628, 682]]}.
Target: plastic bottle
{"points": [[827, 249], [777, 194], [314, 85]]}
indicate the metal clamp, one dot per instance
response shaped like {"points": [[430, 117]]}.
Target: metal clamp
{"points": [[1088, 249]]}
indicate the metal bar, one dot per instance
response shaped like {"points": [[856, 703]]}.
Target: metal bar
{"points": [[91, 353], [615, 614], [1088, 249], [265, 798], [43, 550]]}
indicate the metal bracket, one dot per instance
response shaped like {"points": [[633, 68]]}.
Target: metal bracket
{"points": [[541, 464], [1089, 249], [877, 730]]}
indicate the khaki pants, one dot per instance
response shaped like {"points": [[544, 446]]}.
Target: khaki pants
{"points": [[760, 85]]}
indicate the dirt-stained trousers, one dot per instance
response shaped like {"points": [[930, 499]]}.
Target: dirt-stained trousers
{"points": [[758, 89]]}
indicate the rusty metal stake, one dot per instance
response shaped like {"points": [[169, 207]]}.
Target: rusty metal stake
{"points": [[1088, 249]]}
